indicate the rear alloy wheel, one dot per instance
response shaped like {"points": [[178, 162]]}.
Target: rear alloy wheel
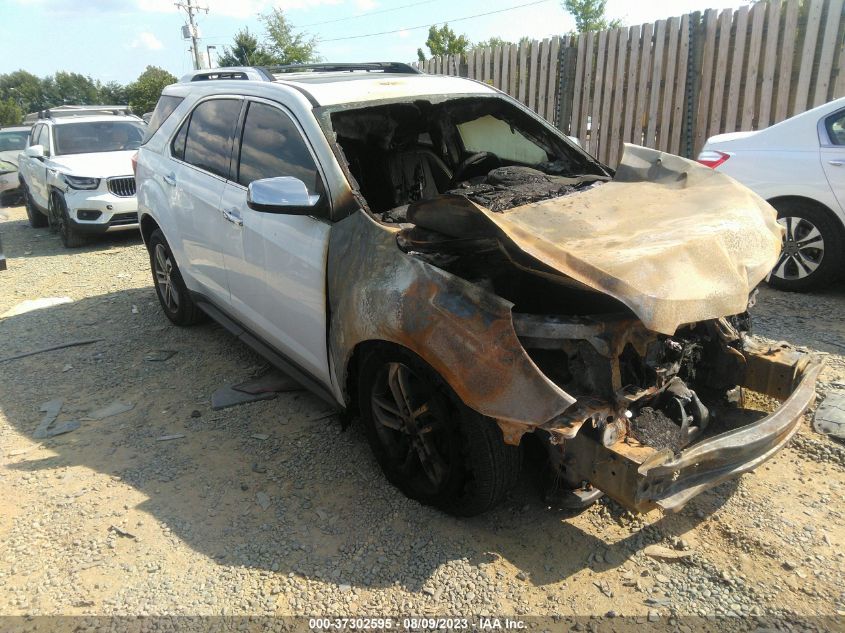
{"points": [[36, 219], [431, 446], [173, 295], [812, 248]]}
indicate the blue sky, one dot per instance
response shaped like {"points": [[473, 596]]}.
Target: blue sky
{"points": [[114, 40]]}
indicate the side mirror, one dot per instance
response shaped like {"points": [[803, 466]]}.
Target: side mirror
{"points": [[34, 151], [284, 194]]}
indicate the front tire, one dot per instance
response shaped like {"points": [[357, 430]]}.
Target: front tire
{"points": [[172, 293], [37, 220], [429, 444], [812, 255], [70, 237]]}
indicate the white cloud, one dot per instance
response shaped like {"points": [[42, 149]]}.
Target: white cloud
{"points": [[404, 33], [239, 9], [147, 41], [366, 5]]}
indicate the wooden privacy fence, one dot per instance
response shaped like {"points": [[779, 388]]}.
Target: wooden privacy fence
{"points": [[672, 84]]}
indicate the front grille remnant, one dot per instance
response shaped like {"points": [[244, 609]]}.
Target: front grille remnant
{"points": [[123, 187]]}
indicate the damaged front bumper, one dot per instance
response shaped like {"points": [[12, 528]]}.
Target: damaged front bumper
{"points": [[643, 479]]}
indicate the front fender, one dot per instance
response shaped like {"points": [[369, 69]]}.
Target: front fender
{"points": [[377, 292]]}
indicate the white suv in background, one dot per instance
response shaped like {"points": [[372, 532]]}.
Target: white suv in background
{"points": [[76, 171], [798, 166]]}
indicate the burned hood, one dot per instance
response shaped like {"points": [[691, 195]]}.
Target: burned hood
{"points": [[674, 241]]}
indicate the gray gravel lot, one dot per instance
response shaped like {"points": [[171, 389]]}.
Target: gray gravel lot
{"points": [[270, 509]]}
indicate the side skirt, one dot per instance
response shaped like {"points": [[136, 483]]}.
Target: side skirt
{"points": [[276, 358]]}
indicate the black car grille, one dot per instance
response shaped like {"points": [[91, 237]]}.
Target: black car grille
{"points": [[123, 187], [119, 219]]}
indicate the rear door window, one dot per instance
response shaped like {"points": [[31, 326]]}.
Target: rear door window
{"points": [[211, 130]]}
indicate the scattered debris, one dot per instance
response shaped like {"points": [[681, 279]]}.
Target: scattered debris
{"points": [[226, 397], [175, 436], [654, 428], [604, 587], [34, 304], [665, 553], [259, 468], [115, 408], [51, 349], [67, 368], [51, 411], [120, 532], [260, 436], [830, 416], [196, 413], [263, 500], [134, 309], [270, 382], [160, 355]]}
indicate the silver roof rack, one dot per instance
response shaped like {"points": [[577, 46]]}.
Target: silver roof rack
{"points": [[271, 73], [77, 110], [244, 73]]}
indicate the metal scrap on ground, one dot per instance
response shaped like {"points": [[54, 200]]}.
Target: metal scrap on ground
{"points": [[51, 411], [50, 349], [830, 416], [115, 408], [265, 387]]}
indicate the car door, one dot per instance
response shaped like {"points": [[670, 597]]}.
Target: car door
{"points": [[276, 263], [832, 153], [36, 168], [201, 151]]}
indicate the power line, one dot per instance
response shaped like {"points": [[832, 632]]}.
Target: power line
{"points": [[425, 26], [368, 13]]}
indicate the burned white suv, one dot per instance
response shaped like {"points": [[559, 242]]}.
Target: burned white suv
{"points": [[76, 171], [428, 254]]}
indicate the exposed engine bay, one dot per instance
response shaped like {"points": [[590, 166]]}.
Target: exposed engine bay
{"points": [[646, 332]]}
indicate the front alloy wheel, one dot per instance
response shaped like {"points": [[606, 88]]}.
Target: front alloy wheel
{"points": [[163, 269]]}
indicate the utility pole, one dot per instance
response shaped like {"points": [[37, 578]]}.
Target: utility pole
{"points": [[191, 9]]}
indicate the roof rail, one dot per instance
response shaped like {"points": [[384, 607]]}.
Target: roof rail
{"points": [[329, 67], [244, 73], [77, 110]]}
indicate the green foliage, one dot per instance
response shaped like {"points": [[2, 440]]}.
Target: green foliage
{"points": [[10, 113], [246, 51], [589, 15], [25, 89], [493, 42], [281, 45], [444, 41], [143, 93], [286, 45], [113, 93], [71, 89]]}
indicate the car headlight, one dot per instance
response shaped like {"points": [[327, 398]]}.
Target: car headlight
{"points": [[80, 182]]}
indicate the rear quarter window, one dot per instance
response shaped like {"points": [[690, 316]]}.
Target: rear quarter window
{"points": [[164, 108]]}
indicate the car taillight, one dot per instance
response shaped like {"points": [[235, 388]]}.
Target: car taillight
{"points": [[135, 164], [712, 158]]}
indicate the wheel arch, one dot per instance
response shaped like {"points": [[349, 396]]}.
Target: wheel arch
{"points": [[830, 213], [148, 225]]}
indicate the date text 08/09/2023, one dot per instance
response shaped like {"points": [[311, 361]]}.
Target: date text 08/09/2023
{"points": [[416, 624]]}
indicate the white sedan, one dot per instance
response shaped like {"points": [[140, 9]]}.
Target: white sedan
{"points": [[797, 165]]}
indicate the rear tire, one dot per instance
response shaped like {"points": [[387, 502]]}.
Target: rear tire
{"points": [[172, 293], [428, 443], [812, 255], [37, 220]]}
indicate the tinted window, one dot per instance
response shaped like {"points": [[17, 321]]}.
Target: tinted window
{"points": [[178, 146], [164, 108], [210, 135], [13, 140], [272, 146], [835, 125], [98, 136]]}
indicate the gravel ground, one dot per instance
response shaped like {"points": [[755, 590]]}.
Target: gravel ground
{"points": [[270, 509]]}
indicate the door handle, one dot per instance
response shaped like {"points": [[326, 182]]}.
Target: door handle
{"points": [[170, 179], [836, 163], [233, 216]]}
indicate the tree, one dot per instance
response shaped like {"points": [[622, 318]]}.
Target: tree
{"points": [[246, 52], [444, 41], [10, 113], [25, 89], [493, 42], [143, 93], [286, 45], [589, 15], [112, 93], [65, 88]]}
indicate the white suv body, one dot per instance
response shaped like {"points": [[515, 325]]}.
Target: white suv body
{"points": [[77, 174], [431, 254], [798, 165]]}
